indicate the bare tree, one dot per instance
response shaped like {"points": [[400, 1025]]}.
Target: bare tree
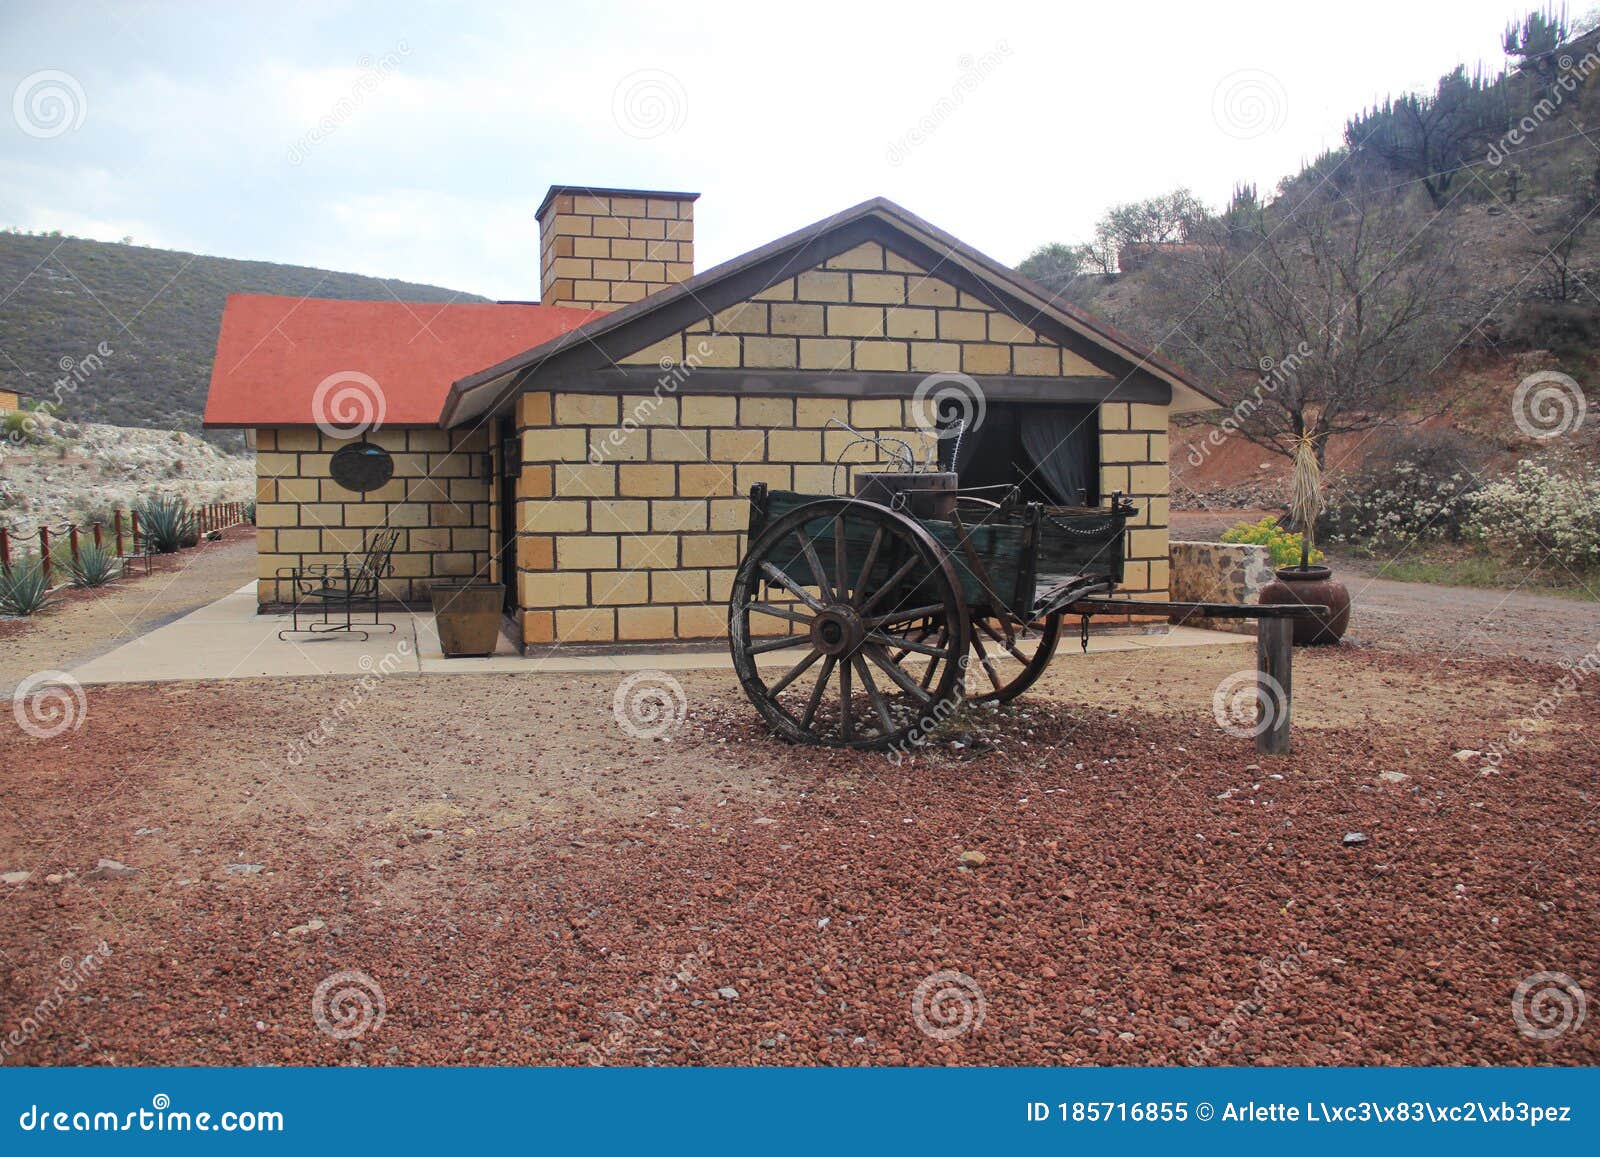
{"points": [[1324, 317]]}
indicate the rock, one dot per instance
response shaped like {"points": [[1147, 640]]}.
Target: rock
{"points": [[1466, 755], [764, 821], [59, 877], [973, 859], [307, 928], [149, 831], [16, 877], [728, 992], [1126, 1037], [1352, 839], [245, 869], [1392, 777], [1182, 1023], [110, 870]]}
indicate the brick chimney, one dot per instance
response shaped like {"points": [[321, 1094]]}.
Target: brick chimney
{"points": [[604, 248]]}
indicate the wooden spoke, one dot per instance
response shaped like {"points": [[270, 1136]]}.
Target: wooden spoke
{"points": [[777, 644], [816, 692], [890, 584], [897, 673], [907, 646], [866, 567], [873, 693], [824, 587], [1016, 665], [840, 547], [987, 663], [847, 722], [795, 672], [790, 585], [778, 612], [902, 616], [983, 625]]}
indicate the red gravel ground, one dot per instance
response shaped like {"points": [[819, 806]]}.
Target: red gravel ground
{"points": [[527, 885]]}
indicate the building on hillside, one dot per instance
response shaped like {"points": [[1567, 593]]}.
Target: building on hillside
{"points": [[10, 399], [593, 451]]}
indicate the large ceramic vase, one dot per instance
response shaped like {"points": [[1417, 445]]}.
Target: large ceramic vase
{"points": [[1311, 586], [467, 615]]}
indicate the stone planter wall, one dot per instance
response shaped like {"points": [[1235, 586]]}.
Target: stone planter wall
{"points": [[1219, 572]]}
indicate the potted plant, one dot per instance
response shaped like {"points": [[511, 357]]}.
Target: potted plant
{"points": [[467, 616], [1308, 584]]}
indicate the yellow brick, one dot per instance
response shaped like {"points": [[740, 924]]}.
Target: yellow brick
{"points": [[649, 552], [647, 481], [702, 622], [1136, 576], [645, 623], [671, 515], [536, 552], [885, 288], [553, 589], [648, 410], [770, 353], [818, 411], [586, 481], [913, 323], [677, 586], [620, 517], [1160, 575], [730, 513], [842, 446], [1113, 415], [590, 625], [855, 321], [710, 550], [276, 465], [867, 255], [533, 409], [301, 541], [709, 481], [719, 584], [717, 349], [1112, 479], [776, 477], [553, 446], [794, 318], [586, 410], [1145, 416], [935, 357], [766, 411], [553, 517], [1147, 543], [1036, 359], [1158, 450], [745, 317], [929, 291], [876, 413], [1116, 448], [538, 627], [817, 479], [586, 552], [895, 263], [986, 359], [732, 446], [881, 355], [1148, 479], [620, 445], [818, 286], [794, 445], [1009, 329], [824, 353], [782, 291], [710, 411], [678, 445], [619, 586], [1074, 366], [332, 514], [954, 325]]}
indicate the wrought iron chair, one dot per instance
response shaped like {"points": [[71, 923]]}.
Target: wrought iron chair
{"points": [[328, 588]]}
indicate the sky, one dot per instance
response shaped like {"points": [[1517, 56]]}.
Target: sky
{"points": [[415, 140]]}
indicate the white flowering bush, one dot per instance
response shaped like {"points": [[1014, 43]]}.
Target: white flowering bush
{"points": [[1540, 512], [1401, 503]]}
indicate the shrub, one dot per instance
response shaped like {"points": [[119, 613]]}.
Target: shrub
{"points": [[167, 524], [1284, 545], [22, 427], [24, 588], [1406, 503], [1566, 328], [95, 566], [1541, 513]]}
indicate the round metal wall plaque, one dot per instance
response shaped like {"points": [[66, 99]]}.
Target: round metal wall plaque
{"points": [[361, 466]]}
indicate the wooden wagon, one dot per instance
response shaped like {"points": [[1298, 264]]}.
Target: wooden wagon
{"points": [[899, 607]]}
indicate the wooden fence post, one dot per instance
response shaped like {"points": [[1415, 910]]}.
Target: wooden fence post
{"points": [[1274, 684], [5, 549], [72, 539], [97, 541], [44, 551], [117, 521], [135, 518]]}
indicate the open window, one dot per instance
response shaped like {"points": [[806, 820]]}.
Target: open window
{"points": [[1051, 451]]}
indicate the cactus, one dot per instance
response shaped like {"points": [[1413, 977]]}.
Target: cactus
{"points": [[95, 566], [24, 588], [167, 524]]}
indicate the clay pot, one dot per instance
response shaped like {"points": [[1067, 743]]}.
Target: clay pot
{"points": [[467, 615], [1313, 586]]}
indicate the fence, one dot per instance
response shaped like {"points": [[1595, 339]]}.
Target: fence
{"points": [[124, 531]]}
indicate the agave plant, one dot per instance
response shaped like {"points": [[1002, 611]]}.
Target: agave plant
{"points": [[95, 566], [24, 587], [167, 524], [1305, 501]]}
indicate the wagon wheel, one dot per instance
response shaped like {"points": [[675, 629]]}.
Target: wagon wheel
{"points": [[851, 582], [1008, 655]]}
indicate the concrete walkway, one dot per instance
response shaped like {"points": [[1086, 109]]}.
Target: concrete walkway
{"points": [[228, 640]]}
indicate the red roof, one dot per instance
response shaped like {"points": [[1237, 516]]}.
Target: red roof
{"points": [[274, 352]]}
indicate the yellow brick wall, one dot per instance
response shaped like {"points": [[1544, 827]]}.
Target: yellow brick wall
{"points": [[1133, 459], [604, 251], [9, 401], [439, 499]]}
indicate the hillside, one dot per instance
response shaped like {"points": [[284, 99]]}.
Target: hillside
{"points": [[69, 301]]}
